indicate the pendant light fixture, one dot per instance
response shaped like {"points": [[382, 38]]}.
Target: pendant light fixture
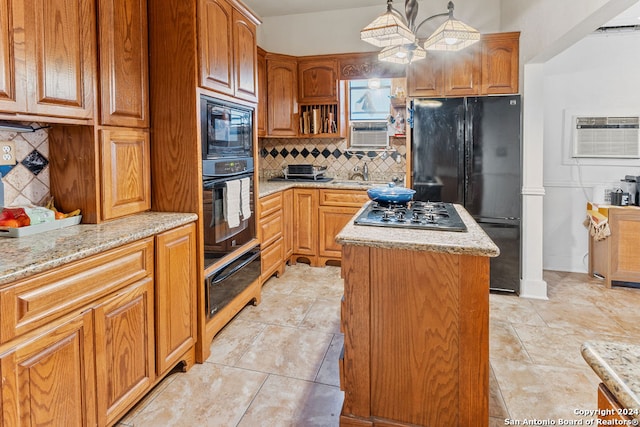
{"points": [[398, 35], [388, 29]]}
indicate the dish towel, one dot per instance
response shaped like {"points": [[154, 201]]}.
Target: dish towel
{"points": [[245, 198], [598, 225], [232, 203]]}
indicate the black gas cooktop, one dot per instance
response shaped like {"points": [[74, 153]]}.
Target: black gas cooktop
{"points": [[415, 215]]}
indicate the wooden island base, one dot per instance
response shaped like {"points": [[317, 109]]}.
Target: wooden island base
{"points": [[416, 338]]}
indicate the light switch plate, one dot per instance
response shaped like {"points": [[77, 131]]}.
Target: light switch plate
{"points": [[7, 153]]}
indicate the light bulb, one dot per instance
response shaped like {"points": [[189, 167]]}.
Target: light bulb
{"points": [[401, 54], [450, 40]]}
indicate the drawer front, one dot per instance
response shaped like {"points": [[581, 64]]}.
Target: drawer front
{"points": [[270, 204], [271, 228], [40, 299], [351, 198], [271, 258]]}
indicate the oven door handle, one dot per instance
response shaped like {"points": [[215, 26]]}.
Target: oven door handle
{"points": [[235, 269], [210, 182]]}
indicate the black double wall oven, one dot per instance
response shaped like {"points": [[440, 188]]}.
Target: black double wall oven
{"points": [[229, 220]]}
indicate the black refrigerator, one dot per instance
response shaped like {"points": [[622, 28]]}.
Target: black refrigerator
{"points": [[467, 151]]}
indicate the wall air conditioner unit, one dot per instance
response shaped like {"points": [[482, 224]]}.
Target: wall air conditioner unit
{"points": [[606, 137], [369, 134]]}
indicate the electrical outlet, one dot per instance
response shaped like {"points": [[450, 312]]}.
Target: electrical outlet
{"points": [[7, 153]]}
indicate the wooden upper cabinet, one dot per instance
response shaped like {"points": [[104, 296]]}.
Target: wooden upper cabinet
{"points": [[486, 68], [228, 50], [282, 90], [216, 46], [123, 63], [126, 180], [13, 79], [262, 93], [61, 57], [425, 77], [245, 57], [500, 63], [462, 77], [318, 81]]}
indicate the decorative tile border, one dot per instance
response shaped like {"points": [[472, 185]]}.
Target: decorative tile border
{"points": [[276, 154]]}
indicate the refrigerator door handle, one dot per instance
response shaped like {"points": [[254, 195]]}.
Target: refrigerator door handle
{"points": [[511, 220]]}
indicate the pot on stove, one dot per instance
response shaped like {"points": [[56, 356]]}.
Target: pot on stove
{"points": [[391, 194]]}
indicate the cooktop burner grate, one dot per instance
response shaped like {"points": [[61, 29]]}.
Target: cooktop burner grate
{"points": [[415, 214]]}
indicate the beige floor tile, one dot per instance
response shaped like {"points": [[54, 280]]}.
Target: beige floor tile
{"points": [[557, 347], [497, 408], [543, 392], [233, 341], [510, 308], [296, 353], [148, 398], [329, 372], [284, 284], [278, 309], [576, 317], [292, 402], [504, 342], [207, 395], [325, 283], [324, 316]]}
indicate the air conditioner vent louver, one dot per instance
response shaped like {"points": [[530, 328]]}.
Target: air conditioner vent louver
{"points": [[606, 137], [369, 135]]}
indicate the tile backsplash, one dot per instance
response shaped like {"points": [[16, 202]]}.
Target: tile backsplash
{"points": [[27, 182], [276, 154]]}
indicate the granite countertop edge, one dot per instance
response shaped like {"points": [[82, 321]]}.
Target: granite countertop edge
{"points": [[473, 242], [618, 366], [26, 256], [266, 188]]}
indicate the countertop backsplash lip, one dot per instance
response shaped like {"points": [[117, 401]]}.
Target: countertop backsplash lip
{"points": [[26, 256]]}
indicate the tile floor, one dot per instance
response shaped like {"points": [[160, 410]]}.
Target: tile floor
{"points": [[276, 364]]}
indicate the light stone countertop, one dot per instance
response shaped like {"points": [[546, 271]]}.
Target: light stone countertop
{"points": [[266, 188], [24, 256], [474, 241], [618, 366]]}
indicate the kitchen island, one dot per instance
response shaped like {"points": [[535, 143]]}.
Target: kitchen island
{"points": [[415, 317]]}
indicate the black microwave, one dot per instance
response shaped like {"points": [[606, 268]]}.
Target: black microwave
{"points": [[227, 129]]}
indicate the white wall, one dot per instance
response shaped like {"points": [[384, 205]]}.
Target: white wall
{"points": [[598, 75], [339, 31]]}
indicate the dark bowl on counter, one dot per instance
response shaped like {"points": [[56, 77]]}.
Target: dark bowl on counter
{"points": [[391, 194]]}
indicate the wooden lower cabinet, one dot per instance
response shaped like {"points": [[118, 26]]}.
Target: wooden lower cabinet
{"points": [[305, 219], [80, 343], [49, 378], [124, 342], [616, 257], [287, 223], [416, 338], [271, 233], [332, 219], [175, 296], [319, 215]]}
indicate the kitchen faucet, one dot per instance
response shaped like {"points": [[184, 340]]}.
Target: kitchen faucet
{"points": [[365, 172]]}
